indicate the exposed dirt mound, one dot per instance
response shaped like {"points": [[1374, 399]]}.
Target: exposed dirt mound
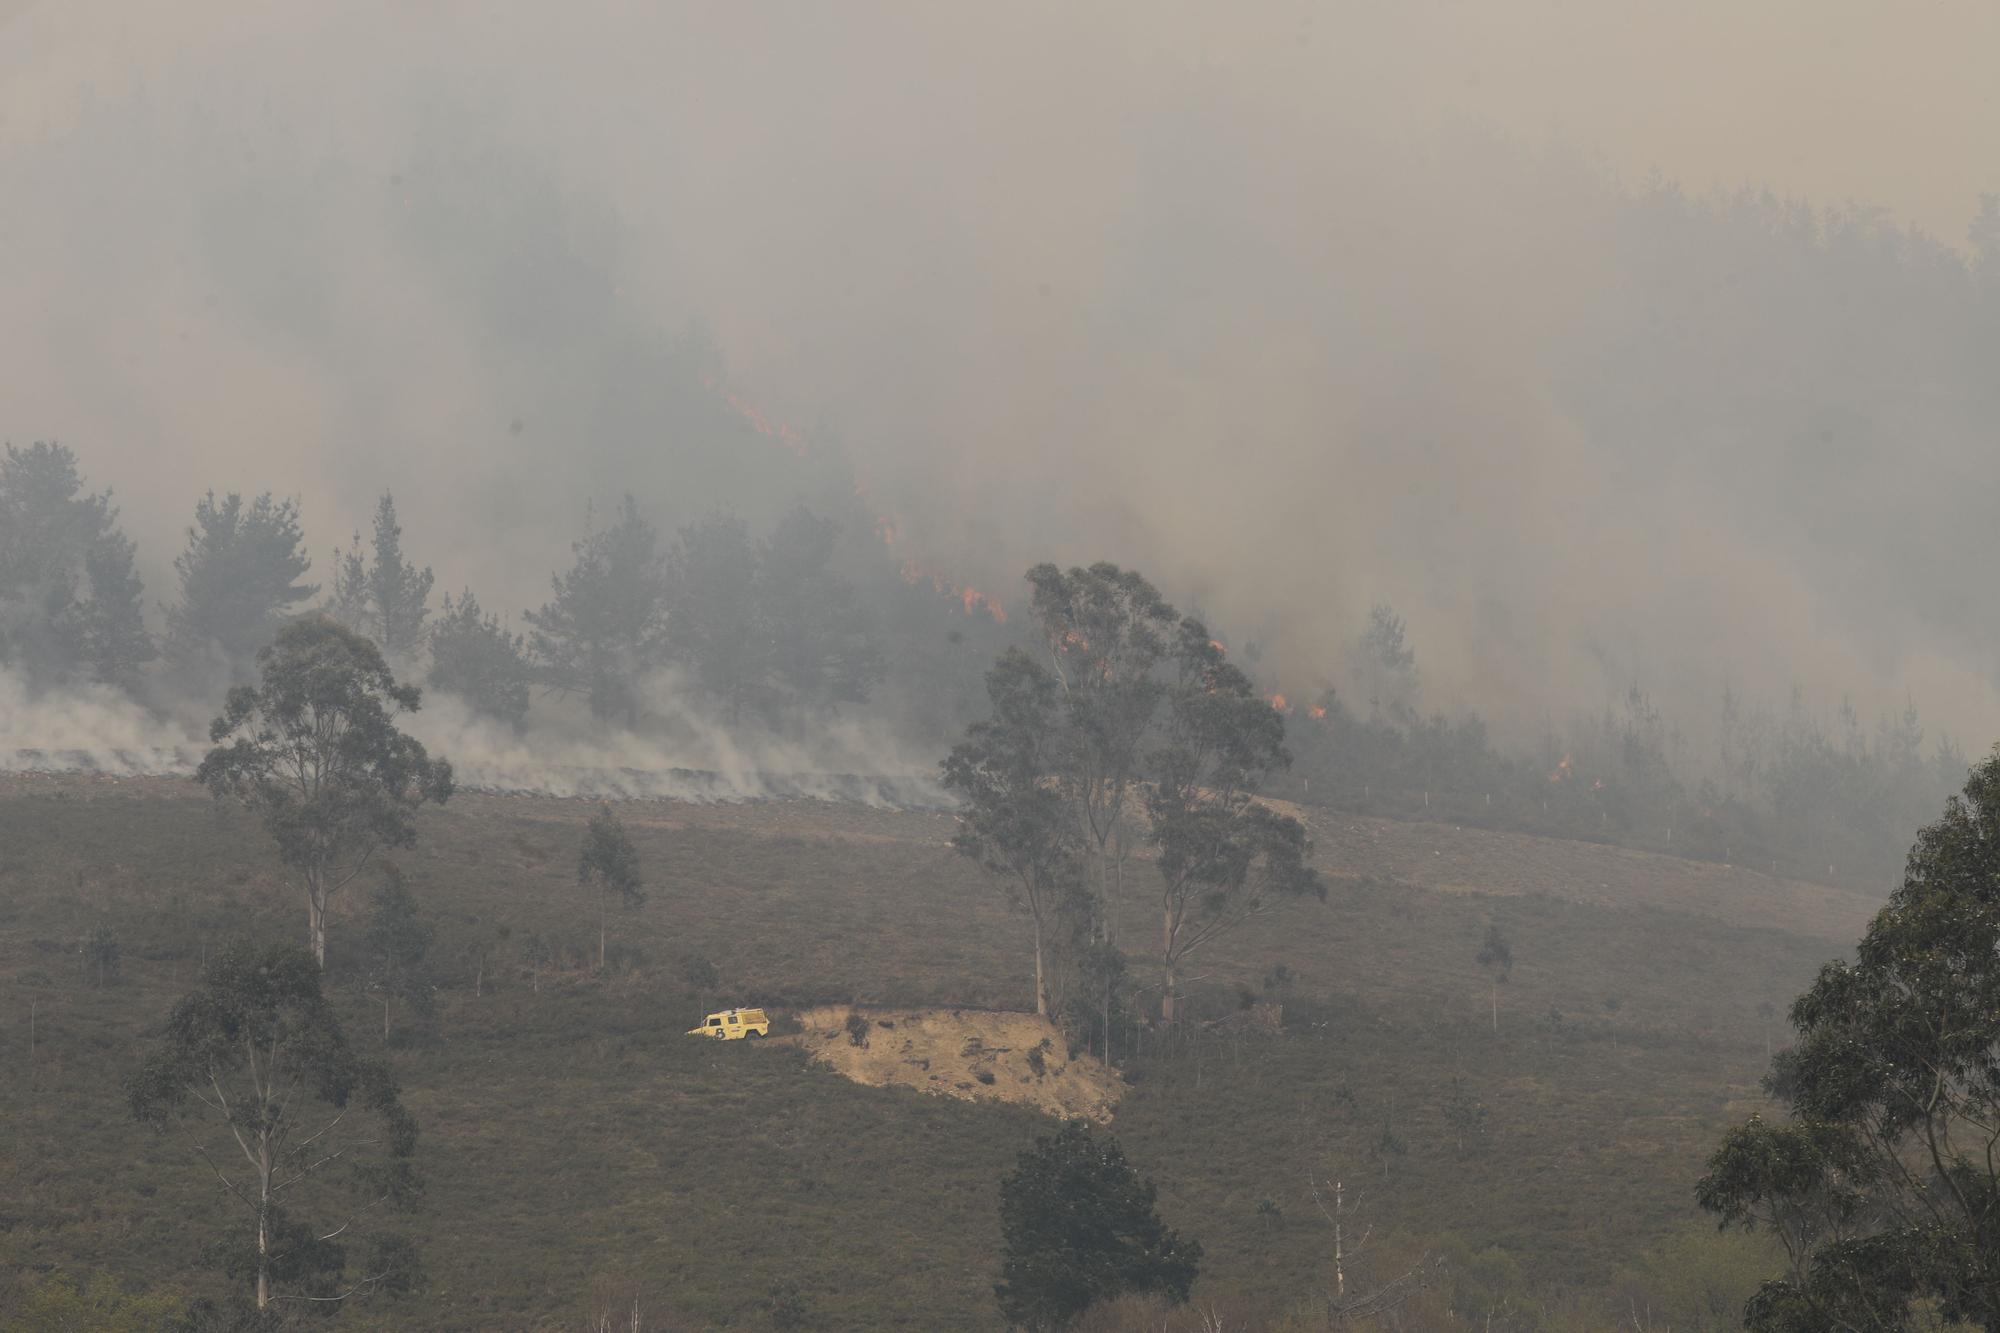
{"points": [[974, 1054]]}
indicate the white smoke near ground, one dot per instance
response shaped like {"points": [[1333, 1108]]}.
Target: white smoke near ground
{"points": [[90, 729], [686, 755]]}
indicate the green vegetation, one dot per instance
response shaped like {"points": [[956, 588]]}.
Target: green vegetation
{"points": [[578, 1153], [1883, 1184], [314, 750], [321, 1135], [1080, 1226], [610, 866]]}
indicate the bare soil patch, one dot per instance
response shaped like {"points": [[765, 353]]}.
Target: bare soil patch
{"points": [[978, 1055]]}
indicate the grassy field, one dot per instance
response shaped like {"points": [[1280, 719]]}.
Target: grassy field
{"points": [[577, 1150]]}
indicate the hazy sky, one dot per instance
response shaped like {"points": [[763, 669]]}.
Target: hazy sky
{"points": [[1834, 100], [1272, 300]]}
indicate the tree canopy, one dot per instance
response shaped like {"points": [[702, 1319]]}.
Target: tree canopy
{"points": [[387, 599], [70, 604], [605, 624], [239, 578], [1015, 822], [256, 1050], [1883, 1181], [478, 659], [315, 751], [1224, 856], [609, 864], [1079, 1226]]}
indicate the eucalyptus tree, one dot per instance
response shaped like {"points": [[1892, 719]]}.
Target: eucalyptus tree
{"points": [[1015, 821], [609, 865], [1224, 857], [254, 1058], [1106, 631], [1882, 1181], [315, 751]]}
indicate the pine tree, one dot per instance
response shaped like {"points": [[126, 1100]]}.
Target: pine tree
{"points": [[398, 591], [821, 648], [605, 627], [716, 625], [70, 604], [1080, 1226], [476, 658], [239, 579], [387, 599]]}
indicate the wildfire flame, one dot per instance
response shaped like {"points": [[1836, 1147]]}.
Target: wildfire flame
{"points": [[786, 435], [1560, 773], [1317, 710], [1217, 645], [1279, 702]]}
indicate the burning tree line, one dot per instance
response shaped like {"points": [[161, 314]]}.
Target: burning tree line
{"points": [[823, 612]]}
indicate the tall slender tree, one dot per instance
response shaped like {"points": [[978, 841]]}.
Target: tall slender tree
{"points": [[315, 751], [609, 865], [386, 598], [1015, 821], [254, 1057], [398, 591], [1224, 857], [1106, 631]]}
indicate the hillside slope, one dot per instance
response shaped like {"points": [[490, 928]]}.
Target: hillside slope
{"points": [[571, 1133]]}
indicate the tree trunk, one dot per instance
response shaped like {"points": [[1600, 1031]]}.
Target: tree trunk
{"points": [[385, 1018], [263, 1227], [1041, 986], [1339, 1247], [316, 922], [1496, 1008], [1167, 955], [600, 930]]}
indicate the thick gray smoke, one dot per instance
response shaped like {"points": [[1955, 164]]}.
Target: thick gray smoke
{"points": [[1206, 297]]}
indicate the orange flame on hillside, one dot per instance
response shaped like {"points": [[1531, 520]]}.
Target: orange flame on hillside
{"points": [[1560, 773], [1317, 710], [752, 416], [1217, 645], [1279, 702]]}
